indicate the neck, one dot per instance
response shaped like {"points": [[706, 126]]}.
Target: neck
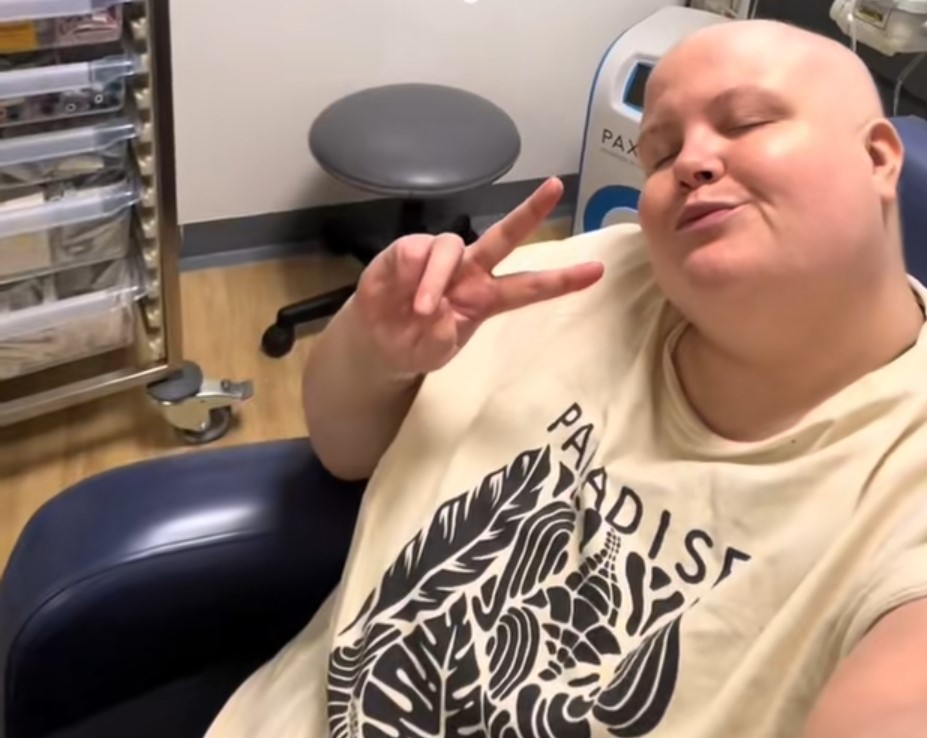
{"points": [[750, 374]]}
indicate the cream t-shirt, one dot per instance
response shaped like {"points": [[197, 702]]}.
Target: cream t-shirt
{"points": [[555, 545]]}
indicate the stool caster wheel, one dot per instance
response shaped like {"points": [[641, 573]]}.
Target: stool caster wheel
{"points": [[278, 340], [337, 237], [463, 227], [220, 420], [198, 409]]}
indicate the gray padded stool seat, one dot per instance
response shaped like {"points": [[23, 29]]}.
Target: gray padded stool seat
{"points": [[414, 142]]}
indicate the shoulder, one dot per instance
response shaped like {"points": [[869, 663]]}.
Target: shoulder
{"points": [[614, 318], [627, 286], [620, 248]]}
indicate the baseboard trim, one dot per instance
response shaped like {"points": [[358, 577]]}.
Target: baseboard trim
{"points": [[280, 235]]}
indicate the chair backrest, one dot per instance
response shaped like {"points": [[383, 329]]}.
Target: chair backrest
{"points": [[913, 194]]}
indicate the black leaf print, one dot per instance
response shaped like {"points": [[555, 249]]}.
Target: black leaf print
{"points": [[343, 670], [637, 698], [347, 667], [591, 523], [596, 580], [519, 612], [466, 535], [427, 685], [659, 579], [581, 617], [635, 569], [500, 723], [636, 574], [513, 649], [538, 551], [662, 607], [557, 717], [566, 481]]}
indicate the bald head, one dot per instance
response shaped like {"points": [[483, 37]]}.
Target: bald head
{"points": [[829, 76]]}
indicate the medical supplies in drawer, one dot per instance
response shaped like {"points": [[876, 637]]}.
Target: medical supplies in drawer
{"points": [[87, 156], [35, 94], [79, 227], [27, 25], [65, 317]]}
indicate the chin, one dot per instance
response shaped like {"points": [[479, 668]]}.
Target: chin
{"points": [[721, 264]]}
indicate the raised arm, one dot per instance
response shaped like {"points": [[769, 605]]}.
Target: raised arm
{"points": [[416, 306]]}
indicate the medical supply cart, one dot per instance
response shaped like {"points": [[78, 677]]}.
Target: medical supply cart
{"points": [[89, 239]]}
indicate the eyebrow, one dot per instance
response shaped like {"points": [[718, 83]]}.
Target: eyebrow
{"points": [[725, 98]]}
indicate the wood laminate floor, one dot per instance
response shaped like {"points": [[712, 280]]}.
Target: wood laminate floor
{"points": [[225, 311]]}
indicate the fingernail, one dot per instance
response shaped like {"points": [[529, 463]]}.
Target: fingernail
{"points": [[425, 304]]}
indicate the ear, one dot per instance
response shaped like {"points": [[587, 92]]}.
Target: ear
{"points": [[886, 151]]}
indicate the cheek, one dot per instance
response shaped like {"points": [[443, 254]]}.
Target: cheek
{"points": [[795, 185], [770, 169], [788, 167], [656, 198]]}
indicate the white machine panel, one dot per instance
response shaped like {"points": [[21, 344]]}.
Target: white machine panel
{"points": [[889, 26], [729, 8], [610, 178]]}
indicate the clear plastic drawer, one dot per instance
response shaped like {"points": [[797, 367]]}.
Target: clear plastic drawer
{"points": [[15, 10], [80, 227], [57, 91], [31, 25], [69, 316], [93, 155]]}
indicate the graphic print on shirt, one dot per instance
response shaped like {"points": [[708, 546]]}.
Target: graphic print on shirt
{"points": [[523, 610]]}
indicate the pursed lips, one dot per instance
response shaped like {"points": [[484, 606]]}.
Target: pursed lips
{"points": [[695, 212]]}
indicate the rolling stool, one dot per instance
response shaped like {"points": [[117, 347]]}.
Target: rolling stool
{"points": [[415, 142]]}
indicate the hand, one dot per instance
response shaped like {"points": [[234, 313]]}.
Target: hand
{"points": [[424, 296]]}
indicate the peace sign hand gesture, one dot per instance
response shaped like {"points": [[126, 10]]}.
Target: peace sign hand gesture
{"points": [[424, 296]]}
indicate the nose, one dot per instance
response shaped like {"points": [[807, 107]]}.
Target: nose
{"points": [[698, 164]]}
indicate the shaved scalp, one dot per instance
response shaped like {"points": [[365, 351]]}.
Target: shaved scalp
{"points": [[827, 74]]}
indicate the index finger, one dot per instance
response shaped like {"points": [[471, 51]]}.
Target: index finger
{"points": [[509, 233]]}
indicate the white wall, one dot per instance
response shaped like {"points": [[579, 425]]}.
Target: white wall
{"points": [[249, 77]]}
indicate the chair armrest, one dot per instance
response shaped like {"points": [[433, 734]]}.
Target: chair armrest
{"points": [[913, 193], [151, 572]]}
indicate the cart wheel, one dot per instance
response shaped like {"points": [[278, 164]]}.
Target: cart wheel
{"points": [[220, 420], [278, 340]]}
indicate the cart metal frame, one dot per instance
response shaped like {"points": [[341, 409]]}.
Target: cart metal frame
{"points": [[199, 409]]}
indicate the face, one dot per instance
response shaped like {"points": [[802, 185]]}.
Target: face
{"points": [[751, 183]]}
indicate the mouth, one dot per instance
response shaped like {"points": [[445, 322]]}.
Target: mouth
{"points": [[707, 215]]}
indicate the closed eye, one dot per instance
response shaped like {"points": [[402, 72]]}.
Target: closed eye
{"points": [[747, 127], [664, 160]]}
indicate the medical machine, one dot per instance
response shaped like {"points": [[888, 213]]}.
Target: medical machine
{"points": [[610, 176], [889, 26], [728, 8]]}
